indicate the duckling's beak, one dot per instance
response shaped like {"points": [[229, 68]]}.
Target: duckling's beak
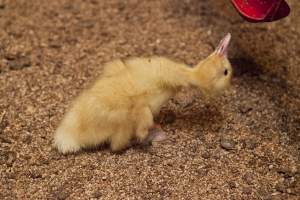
{"points": [[222, 48]]}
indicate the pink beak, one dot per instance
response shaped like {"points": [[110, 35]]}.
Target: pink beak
{"points": [[222, 48]]}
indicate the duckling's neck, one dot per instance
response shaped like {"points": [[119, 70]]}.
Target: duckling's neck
{"points": [[178, 76]]}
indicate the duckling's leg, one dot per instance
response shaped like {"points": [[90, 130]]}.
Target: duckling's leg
{"points": [[144, 121], [121, 139], [156, 134]]}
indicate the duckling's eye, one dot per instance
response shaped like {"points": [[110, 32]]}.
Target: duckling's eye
{"points": [[225, 72]]}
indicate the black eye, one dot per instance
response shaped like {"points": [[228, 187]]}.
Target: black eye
{"points": [[225, 72]]}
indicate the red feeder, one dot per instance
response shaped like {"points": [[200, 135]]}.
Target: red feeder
{"points": [[262, 10]]}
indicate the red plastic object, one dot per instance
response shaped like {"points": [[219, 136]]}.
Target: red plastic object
{"points": [[262, 10]]}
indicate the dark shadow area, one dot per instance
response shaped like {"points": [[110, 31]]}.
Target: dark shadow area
{"points": [[208, 117], [245, 66]]}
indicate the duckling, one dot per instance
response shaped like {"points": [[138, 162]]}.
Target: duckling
{"points": [[121, 104]]}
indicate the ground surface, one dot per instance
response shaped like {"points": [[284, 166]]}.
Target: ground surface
{"points": [[49, 51]]}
